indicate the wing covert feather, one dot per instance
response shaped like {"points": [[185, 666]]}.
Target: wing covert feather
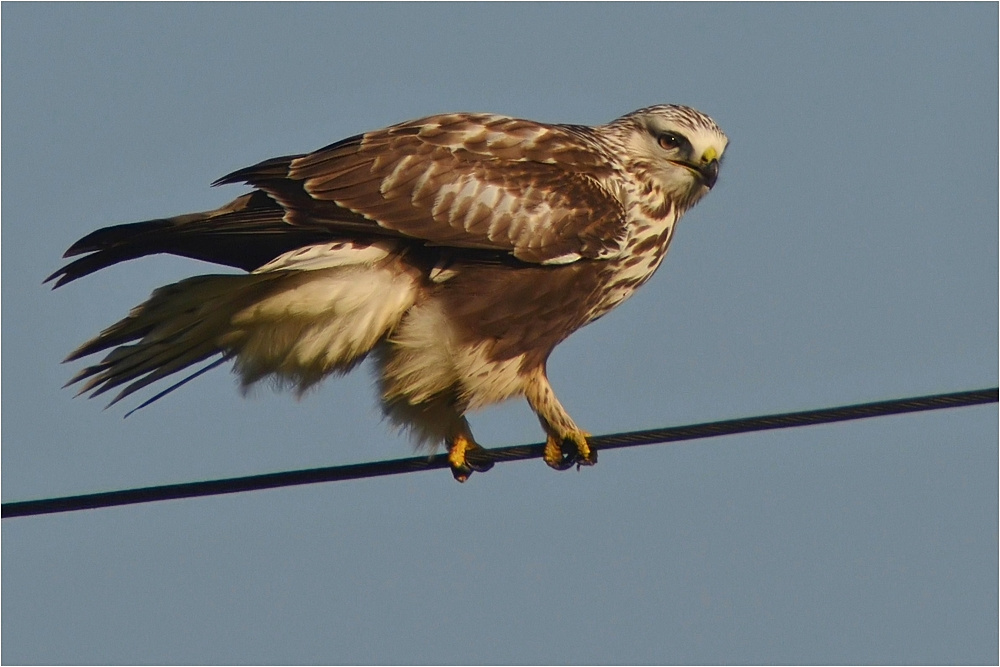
{"points": [[460, 180]]}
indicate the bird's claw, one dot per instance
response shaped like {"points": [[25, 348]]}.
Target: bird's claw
{"points": [[562, 457], [466, 457]]}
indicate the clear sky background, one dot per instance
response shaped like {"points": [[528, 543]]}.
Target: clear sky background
{"points": [[848, 253]]}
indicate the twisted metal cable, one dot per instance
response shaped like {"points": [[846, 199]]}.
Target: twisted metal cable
{"points": [[499, 455]]}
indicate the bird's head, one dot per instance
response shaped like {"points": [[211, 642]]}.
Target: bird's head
{"points": [[674, 148]]}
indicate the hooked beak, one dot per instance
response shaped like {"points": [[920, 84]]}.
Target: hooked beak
{"points": [[707, 171]]}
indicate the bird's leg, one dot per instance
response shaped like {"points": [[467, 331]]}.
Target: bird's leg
{"points": [[465, 455], [566, 444]]}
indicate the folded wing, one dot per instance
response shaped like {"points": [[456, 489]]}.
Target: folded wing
{"points": [[463, 181]]}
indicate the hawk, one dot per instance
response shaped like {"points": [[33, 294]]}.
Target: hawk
{"points": [[456, 250]]}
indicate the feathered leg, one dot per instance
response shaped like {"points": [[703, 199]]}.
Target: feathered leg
{"points": [[559, 426]]}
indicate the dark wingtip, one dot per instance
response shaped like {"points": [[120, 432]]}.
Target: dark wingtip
{"points": [[239, 176], [76, 269], [62, 277], [108, 246], [275, 168]]}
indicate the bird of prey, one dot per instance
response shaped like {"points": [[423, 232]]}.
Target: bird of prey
{"points": [[456, 250]]}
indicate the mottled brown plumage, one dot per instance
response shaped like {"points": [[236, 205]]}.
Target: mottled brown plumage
{"points": [[460, 249]]}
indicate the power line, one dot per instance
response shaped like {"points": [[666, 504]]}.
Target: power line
{"points": [[499, 455]]}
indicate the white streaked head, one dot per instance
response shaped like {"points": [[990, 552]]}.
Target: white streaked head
{"points": [[674, 147]]}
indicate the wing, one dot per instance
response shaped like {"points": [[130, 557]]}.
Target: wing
{"points": [[245, 233], [456, 180], [468, 181]]}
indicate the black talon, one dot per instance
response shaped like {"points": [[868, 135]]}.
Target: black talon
{"points": [[474, 459], [478, 460], [586, 461], [571, 456], [567, 462]]}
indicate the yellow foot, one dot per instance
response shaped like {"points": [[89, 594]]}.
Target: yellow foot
{"points": [[569, 451], [466, 457]]}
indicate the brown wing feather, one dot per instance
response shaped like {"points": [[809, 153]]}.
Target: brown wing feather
{"points": [[469, 181], [246, 233], [459, 180]]}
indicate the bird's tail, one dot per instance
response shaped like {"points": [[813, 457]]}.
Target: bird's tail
{"points": [[295, 326]]}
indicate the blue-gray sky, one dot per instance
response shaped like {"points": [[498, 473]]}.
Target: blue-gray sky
{"points": [[848, 253]]}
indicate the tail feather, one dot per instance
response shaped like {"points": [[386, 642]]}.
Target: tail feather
{"points": [[162, 370], [296, 326], [141, 359], [180, 325], [177, 385]]}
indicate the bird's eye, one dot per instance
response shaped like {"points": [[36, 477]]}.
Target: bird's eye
{"points": [[669, 141]]}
